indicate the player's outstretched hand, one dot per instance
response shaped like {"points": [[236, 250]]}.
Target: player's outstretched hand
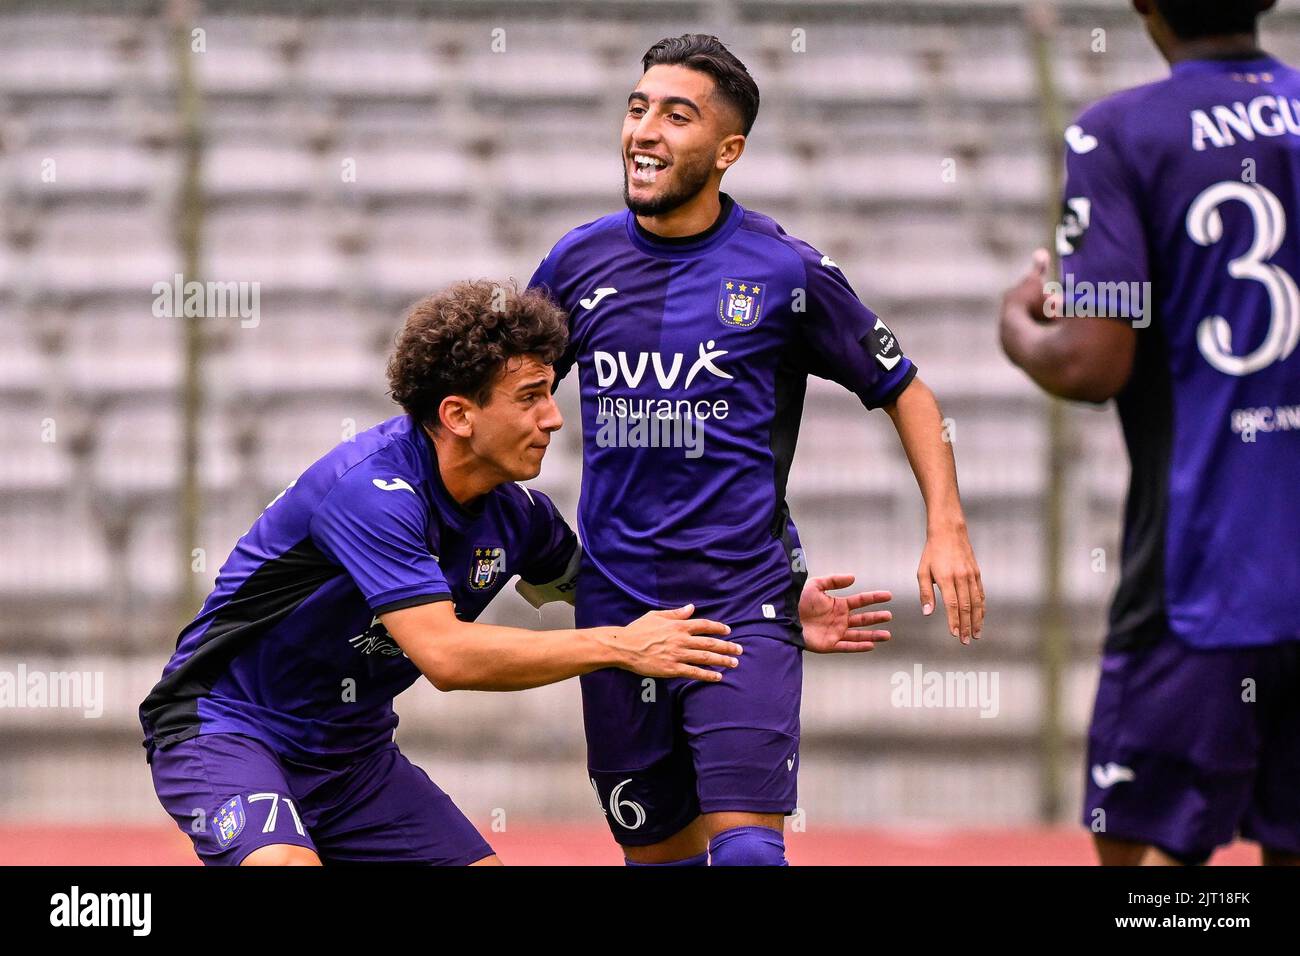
{"points": [[673, 644], [830, 625], [948, 563]]}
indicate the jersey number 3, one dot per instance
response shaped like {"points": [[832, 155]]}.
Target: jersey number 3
{"points": [[1205, 226]]}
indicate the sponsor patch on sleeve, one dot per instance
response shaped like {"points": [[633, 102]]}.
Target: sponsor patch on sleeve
{"points": [[884, 345]]}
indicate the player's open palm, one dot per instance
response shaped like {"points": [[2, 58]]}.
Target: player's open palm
{"points": [[837, 625], [673, 644], [948, 564]]}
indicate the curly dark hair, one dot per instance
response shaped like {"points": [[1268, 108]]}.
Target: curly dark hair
{"points": [[457, 342], [706, 54]]}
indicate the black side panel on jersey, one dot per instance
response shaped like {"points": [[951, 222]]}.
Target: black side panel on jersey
{"points": [[268, 596], [791, 383], [1137, 614]]}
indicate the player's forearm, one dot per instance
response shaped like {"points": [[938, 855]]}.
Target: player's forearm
{"points": [[488, 657], [919, 422], [1047, 354]]}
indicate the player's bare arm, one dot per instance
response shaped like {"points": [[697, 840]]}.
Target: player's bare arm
{"points": [[1084, 358], [948, 560], [462, 655]]}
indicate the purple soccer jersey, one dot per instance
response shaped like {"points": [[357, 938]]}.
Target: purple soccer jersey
{"points": [[693, 356], [1181, 207], [692, 361], [288, 647]]}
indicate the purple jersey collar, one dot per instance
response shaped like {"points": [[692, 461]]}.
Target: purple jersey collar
{"points": [[1260, 61], [684, 250]]}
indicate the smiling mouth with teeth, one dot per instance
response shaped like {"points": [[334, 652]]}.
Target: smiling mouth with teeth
{"points": [[646, 168]]}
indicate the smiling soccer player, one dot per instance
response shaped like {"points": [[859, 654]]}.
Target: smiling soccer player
{"points": [[688, 306], [270, 733]]}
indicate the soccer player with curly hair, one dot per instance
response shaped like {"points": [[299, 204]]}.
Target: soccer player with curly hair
{"points": [[270, 734]]}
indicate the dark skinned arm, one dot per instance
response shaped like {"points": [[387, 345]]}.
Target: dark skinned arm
{"points": [[1084, 359]]}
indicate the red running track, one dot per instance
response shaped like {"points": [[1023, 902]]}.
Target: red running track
{"points": [[539, 843]]}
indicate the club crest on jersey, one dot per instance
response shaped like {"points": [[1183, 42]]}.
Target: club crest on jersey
{"points": [[740, 304], [229, 821], [486, 568]]}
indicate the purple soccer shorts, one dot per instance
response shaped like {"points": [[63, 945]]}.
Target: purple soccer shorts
{"points": [[662, 751], [1189, 747], [231, 794]]}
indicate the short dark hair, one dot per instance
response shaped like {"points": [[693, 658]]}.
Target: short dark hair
{"points": [[706, 54], [1191, 19], [458, 341]]}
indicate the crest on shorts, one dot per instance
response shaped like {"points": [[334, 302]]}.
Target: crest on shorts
{"points": [[229, 821], [486, 568], [740, 304]]}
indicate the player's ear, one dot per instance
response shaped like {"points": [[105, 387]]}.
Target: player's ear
{"points": [[453, 414], [730, 150]]}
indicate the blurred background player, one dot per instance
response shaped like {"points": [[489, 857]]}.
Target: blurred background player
{"points": [[270, 734], [1184, 196], [698, 321]]}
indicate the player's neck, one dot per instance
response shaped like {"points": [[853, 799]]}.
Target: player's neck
{"points": [[688, 219], [1237, 46], [462, 472]]}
